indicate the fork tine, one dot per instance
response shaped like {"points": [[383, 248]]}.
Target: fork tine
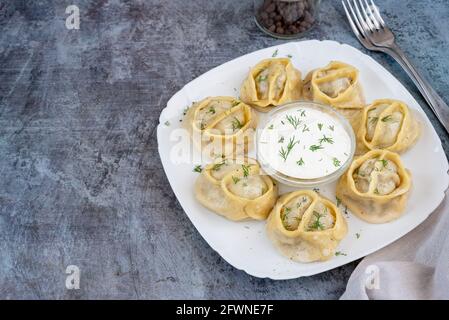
{"points": [[377, 13], [371, 15], [362, 22], [368, 21], [351, 23], [357, 22]]}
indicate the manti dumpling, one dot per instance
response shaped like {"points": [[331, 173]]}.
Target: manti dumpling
{"points": [[337, 84], [236, 189], [376, 186], [270, 83], [221, 126], [306, 227], [387, 124]]}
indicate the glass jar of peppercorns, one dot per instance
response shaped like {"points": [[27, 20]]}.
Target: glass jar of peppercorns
{"points": [[286, 19]]}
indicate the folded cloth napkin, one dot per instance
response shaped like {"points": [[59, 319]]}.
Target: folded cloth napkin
{"points": [[414, 267]]}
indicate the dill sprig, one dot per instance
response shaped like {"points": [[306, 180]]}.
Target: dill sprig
{"points": [[315, 147], [302, 112], [338, 201], [326, 139], [305, 128], [294, 121], [300, 162], [373, 120], [285, 152], [336, 162], [317, 224], [218, 166], [236, 124], [245, 169]]}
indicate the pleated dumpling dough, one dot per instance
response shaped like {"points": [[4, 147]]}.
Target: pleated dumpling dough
{"points": [[236, 189], [337, 84], [270, 83], [376, 186], [387, 124], [306, 227], [221, 126]]}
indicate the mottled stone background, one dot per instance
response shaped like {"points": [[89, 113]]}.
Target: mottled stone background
{"points": [[80, 178]]}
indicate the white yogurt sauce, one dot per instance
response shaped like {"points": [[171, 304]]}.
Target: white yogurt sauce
{"points": [[304, 143]]}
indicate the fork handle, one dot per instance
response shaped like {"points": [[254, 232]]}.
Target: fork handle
{"points": [[436, 103]]}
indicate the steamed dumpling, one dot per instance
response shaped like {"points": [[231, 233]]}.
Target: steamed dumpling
{"points": [[306, 227], [376, 186], [270, 83], [337, 84], [236, 189], [221, 126], [387, 124]]}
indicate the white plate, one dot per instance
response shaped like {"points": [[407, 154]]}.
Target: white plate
{"points": [[245, 244]]}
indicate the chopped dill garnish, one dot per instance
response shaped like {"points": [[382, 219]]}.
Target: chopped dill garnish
{"points": [[336, 162], [306, 128], [373, 120], [211, 110], [275, 53], [338, 201], [236, 124], [289, 56], [245, 169], [167, 123], [339, 253], [302, 112], [285, 152], [271, 126], [314, 147], [198, 169], [235, 179], [281, 140], [326, 139], [300, 162], [320, 126], [317, 224], [218, 166], [262, 78], [387, 118], [294, 121], [357, 235], [331, 128]]}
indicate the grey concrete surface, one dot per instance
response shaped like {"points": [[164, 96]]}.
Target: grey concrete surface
{"points": [[81, 181]]}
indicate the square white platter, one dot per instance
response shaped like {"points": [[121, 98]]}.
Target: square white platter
{"points": [[245, 244]]}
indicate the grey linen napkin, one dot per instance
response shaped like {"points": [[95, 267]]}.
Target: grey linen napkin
{"points": [[414, 267]]}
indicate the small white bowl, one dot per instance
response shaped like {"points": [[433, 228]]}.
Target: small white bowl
{"points": [[301, 182]]}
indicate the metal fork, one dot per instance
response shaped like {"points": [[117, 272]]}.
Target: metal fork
{"points": [[369, 27]]}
